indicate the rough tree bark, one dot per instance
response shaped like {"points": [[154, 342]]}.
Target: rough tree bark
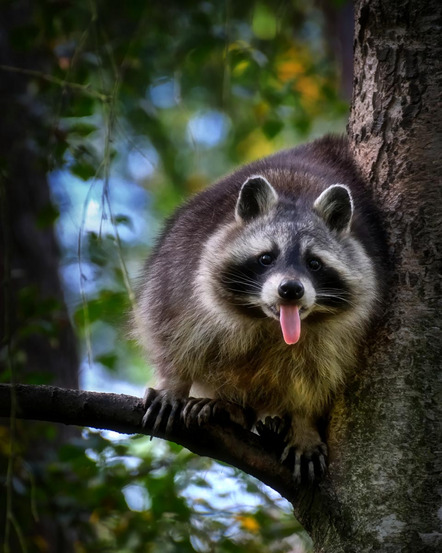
{"points": [[383, 492]]}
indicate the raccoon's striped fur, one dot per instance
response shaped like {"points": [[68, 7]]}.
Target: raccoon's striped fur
{"points": [[261, 287]]}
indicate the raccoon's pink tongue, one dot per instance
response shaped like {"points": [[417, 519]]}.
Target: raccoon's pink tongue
{"points": [[290, 323]]}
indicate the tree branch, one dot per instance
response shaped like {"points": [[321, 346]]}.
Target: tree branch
{"points": [[228, 443]]}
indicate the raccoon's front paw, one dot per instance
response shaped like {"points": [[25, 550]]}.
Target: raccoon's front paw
{"points": [[307, 458], [163, 409], [199, 411]]}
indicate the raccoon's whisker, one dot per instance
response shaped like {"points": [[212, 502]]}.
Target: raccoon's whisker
{"points": [[238, 276], [332, 291], [342, 297], [324, 294], [325, 309], [247, 303], [239, 290], [251, 284], [242, 292]]}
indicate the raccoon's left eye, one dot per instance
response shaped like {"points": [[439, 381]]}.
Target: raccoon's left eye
{"points": [[314, 264], [266, 259]]}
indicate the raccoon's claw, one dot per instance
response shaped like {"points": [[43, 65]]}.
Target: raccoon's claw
{"points": [[162, 410], [273, 431], [307, 465], [202, 411], [196, 411], [273, 426]]}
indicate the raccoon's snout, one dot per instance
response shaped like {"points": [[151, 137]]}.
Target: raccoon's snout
{"points": [[291, 289]]}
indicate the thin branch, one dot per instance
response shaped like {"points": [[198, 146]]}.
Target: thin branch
{"points": [[122, 413], [84, 88]]}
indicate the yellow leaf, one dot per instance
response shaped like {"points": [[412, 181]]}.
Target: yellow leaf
{"points": [[255, 146], [260, 110], [308, 87], [289, 70], [248, 523], [240, 67]]}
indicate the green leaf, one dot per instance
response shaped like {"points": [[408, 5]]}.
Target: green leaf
{"points": [[83, 170], [83, 129], [109, 360], [47, 216], [272, 127], [123, 220], [264, 22]]}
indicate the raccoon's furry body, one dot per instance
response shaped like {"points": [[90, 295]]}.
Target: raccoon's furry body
{"points": [[261, 287]]}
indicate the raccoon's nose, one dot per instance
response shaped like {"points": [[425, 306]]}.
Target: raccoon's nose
{"points": [[291, 289]]}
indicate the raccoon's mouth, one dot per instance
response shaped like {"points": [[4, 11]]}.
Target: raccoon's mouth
{"points": [[276, 311], [290, 320]]}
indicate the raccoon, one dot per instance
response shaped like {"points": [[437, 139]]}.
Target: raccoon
{"points": [[261, 288]]}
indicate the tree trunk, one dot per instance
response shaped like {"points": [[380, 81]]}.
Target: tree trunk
{"points": [[37, 340], [383, 491]]}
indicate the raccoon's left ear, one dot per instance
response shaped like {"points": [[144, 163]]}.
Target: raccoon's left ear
{"points": [[335, 206], [256, 197]]}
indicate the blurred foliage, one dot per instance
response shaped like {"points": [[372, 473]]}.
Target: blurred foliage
{"points": [[145, 103], [130, 495]]}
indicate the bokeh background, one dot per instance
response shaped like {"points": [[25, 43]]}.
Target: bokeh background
{"points": [[116, 112]]}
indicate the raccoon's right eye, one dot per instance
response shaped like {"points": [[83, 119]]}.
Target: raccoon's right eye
{"points": [[266, 259], [314, 264]]}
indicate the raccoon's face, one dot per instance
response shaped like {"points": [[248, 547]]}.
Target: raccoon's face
{"points": [[291, 265]]}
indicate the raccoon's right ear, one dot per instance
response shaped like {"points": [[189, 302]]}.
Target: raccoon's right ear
{"points": [[256, 197], [335, 206]]}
